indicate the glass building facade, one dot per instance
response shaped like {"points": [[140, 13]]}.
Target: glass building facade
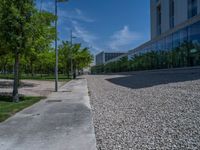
{"points": [[188, 36], [159, 19], [171, 13], [100, 58], [103, 57], [192, 8], [109, 56]]}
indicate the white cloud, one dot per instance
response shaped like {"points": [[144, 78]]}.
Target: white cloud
{"points": [[48, 6], [75, 14], [119, 40], [78, 11], [72, 19], [122, 38], [89, 38], [83, 33]]}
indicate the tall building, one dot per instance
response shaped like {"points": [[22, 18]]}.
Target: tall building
{"points": [[173, 24], [104, 57], [167, 15]]}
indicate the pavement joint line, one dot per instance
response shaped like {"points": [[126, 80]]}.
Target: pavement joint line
{"points": [[53, 101], [65, 91]]}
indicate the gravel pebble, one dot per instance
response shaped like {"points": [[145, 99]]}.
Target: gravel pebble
{"points": [[147, 110]]}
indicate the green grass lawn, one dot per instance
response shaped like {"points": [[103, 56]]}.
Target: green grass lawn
{"points": [[36, 77], [9, 108]]}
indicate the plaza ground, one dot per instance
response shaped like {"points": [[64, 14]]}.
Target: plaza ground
{"points": [[146, 109], [135, 110]]}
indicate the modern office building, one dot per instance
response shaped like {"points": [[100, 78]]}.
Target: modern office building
{"points": [[104, 57], [167, 15], [173, 22]]}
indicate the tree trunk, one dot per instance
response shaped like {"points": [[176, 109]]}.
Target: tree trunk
{"points": [[32, 72], [4, 67], [16, 79], [74, 72]]}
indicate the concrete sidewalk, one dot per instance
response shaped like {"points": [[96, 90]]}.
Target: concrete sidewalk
{"points": [[61, 122]]}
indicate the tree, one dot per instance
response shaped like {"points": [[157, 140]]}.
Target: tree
{"points": [[6, 63], [15, 20], [41, 38], [80, 57], [65, 57], [24, 32]]}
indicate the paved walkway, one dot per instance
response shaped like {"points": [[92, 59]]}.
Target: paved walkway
{"points": [[61, 122]]}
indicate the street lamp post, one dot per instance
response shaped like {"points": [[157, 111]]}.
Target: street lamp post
{"points": [[71, 61], [56, 49], [56, 46]]}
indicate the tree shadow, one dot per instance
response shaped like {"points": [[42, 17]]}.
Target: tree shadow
{"points": [[9, 84], [137, 80]]}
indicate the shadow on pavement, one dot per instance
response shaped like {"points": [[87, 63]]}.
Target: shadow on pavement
{"points": [[137, 80], [9, 84]]}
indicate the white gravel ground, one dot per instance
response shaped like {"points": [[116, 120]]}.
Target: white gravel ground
{"points": [[147, 110]]}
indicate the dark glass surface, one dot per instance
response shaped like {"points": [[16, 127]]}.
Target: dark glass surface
{"points": [[192, 8]]}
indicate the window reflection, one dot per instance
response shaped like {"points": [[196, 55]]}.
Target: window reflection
{"points": [[182, 47], [192, 8]]}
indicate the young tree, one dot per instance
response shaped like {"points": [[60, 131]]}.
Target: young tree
{"points": [[24, 32], [65, 57], [15, 31], [80, 57], [41, 38]]}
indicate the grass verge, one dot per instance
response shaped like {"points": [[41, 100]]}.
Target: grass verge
{"points": [[36, 77], [9, 108]]}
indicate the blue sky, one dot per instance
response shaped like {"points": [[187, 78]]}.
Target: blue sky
{"points": [[109, 25]]}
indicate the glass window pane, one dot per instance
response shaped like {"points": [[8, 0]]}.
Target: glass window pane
{"points": [[194, 32], [176, 39], [169, 42]]}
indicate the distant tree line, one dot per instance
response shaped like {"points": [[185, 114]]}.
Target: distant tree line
{"points": [[188, 54], [43, 62]]}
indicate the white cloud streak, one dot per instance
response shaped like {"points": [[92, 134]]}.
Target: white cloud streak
{"points": [[122, 38], [88, 37], [117, 41], [75, 14], [48, 6], [74, 17]]}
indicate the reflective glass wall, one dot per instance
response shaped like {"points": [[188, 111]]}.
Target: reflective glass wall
{"points": [[185, 41]]}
